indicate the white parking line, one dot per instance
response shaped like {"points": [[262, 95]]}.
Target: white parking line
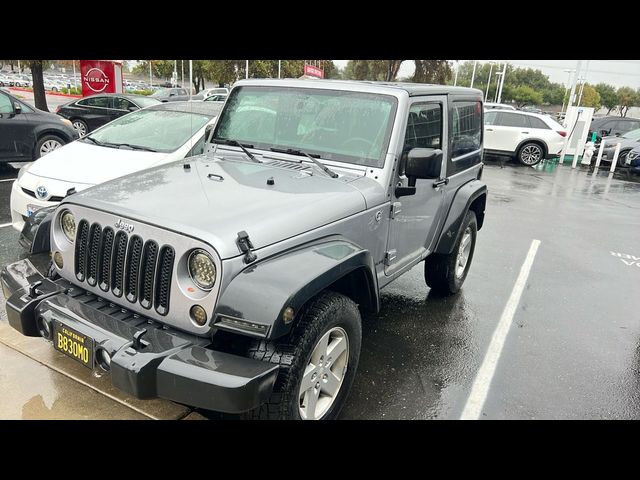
{"points": [[7, 180], [475, 402], [5, 225]]}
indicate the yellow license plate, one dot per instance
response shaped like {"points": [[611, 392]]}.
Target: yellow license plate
{"points": [[73, 344]]}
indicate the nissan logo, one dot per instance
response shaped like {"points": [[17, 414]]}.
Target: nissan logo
{"points": [[42, 192], [122, 225]]}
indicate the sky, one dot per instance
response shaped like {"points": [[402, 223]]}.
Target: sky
{"points": [[619, 73]]}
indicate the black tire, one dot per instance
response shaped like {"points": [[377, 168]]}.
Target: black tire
{"points": [[43, 140], [293, 353], [530, 154], [440, 269], [79, 124]]}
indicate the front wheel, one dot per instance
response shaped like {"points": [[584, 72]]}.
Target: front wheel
{"points": [[445, 273], [318, 361], [530, 154], [47, 144], [80, 127]]}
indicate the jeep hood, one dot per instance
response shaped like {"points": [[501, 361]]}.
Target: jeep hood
{"points": [[215, 199]]}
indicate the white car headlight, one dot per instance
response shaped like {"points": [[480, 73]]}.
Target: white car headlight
{"points": [[23, 170], [202, 269]]}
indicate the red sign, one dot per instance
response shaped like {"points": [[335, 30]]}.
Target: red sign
{"points": [[100, 76], [312, 71]]}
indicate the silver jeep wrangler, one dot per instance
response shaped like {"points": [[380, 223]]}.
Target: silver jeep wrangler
{"points": [[235, 281]]}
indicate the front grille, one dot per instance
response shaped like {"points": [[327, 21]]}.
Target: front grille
{"points": [[122, 264], [31, 193]]}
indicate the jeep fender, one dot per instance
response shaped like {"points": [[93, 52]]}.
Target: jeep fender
{"points": [[35, 235], [470, 195], [261, 292]]}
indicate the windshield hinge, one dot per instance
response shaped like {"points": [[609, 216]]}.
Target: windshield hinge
{"points": [[245, 246]]}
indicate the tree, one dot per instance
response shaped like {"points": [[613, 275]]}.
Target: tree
{"points": [[523, 95], [627, 97], [553, 94], [432, 71], [39, 97], [590, 98], [608, 96]]}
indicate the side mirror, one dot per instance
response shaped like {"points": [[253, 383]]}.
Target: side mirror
{"points": [[207, 132], [17, 108], [132, 108], [423, 163], [171, 94]]}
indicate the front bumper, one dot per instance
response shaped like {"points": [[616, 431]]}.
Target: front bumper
{"points": [[160, 362], [19, 202]]}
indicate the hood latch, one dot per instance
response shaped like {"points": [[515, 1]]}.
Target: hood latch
{"points": [[245, 246]]}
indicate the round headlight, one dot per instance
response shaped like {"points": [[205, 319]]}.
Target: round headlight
{"points": [[68, 223], [202, 269]]}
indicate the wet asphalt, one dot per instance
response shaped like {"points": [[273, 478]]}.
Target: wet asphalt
{"points": [[573, 349]]}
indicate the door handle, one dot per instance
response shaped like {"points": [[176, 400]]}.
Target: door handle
{"points": [[524, 132], [489, 129], [440, 182]]}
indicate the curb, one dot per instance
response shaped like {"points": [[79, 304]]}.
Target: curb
{"points": [[19, 89]]}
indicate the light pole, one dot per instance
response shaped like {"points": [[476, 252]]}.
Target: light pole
{"points": [[150, 76], [455, 81], [175, 72], [584, 80], [246, 69], [279, 67], [569, 71], [495, 96], [473, 75], [486, 94], [504, 74]]}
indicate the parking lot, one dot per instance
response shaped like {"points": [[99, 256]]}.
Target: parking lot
{"points": [[571, 350]]}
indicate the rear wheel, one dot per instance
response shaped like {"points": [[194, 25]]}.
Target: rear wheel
{"points": [[530, 154], [445, 273], [318, 361]]}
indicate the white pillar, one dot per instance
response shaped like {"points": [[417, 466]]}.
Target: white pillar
{"points": [[150, 75], [279, 67], [473, 75], [600, 153], [190, 78], [182, 72], [455, 81], [246, 69], [614, 162], [175, 71]]}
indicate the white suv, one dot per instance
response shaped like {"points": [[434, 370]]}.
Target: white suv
{"points": [[529, 137]]}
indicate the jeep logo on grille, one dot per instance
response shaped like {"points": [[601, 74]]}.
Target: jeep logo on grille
{"points": [[122, 225]]}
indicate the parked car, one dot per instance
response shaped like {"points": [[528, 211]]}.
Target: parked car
{"points": [[207, 92], [628, 142], [144, 138], [498, 106], [27, 133], [612, 126], [633, 157], [529, 137], [92, 112], [171, 95], [236, 281], [531, 110]]}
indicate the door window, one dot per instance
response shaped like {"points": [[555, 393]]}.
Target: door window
{"points": [[102, 102], [182, 91], [535, 122], [5, 104], [424, 126]]}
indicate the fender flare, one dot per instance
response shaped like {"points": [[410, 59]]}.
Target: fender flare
{"points": [[466, 195], [36, 233], [262, 292]]}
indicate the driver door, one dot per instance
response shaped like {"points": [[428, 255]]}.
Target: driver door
{"points": [[413, 219]]}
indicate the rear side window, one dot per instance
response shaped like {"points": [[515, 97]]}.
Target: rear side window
{"points": [[95, 102], [535, 122], [5, 104], [122, 103], [490, 118], [466, 127], [512, 120]]}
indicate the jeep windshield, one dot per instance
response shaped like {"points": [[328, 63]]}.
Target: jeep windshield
{"points": [[342, 126]]}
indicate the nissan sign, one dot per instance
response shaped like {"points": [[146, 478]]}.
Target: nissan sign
{"points": [[101, 76]]}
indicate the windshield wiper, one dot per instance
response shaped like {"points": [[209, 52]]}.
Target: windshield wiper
{"points": [[134, 147], [313, 158], [235, 143], [93, 140]]}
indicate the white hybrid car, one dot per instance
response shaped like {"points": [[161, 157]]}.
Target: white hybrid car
{"points": [[529, 137], [142, 139]]}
